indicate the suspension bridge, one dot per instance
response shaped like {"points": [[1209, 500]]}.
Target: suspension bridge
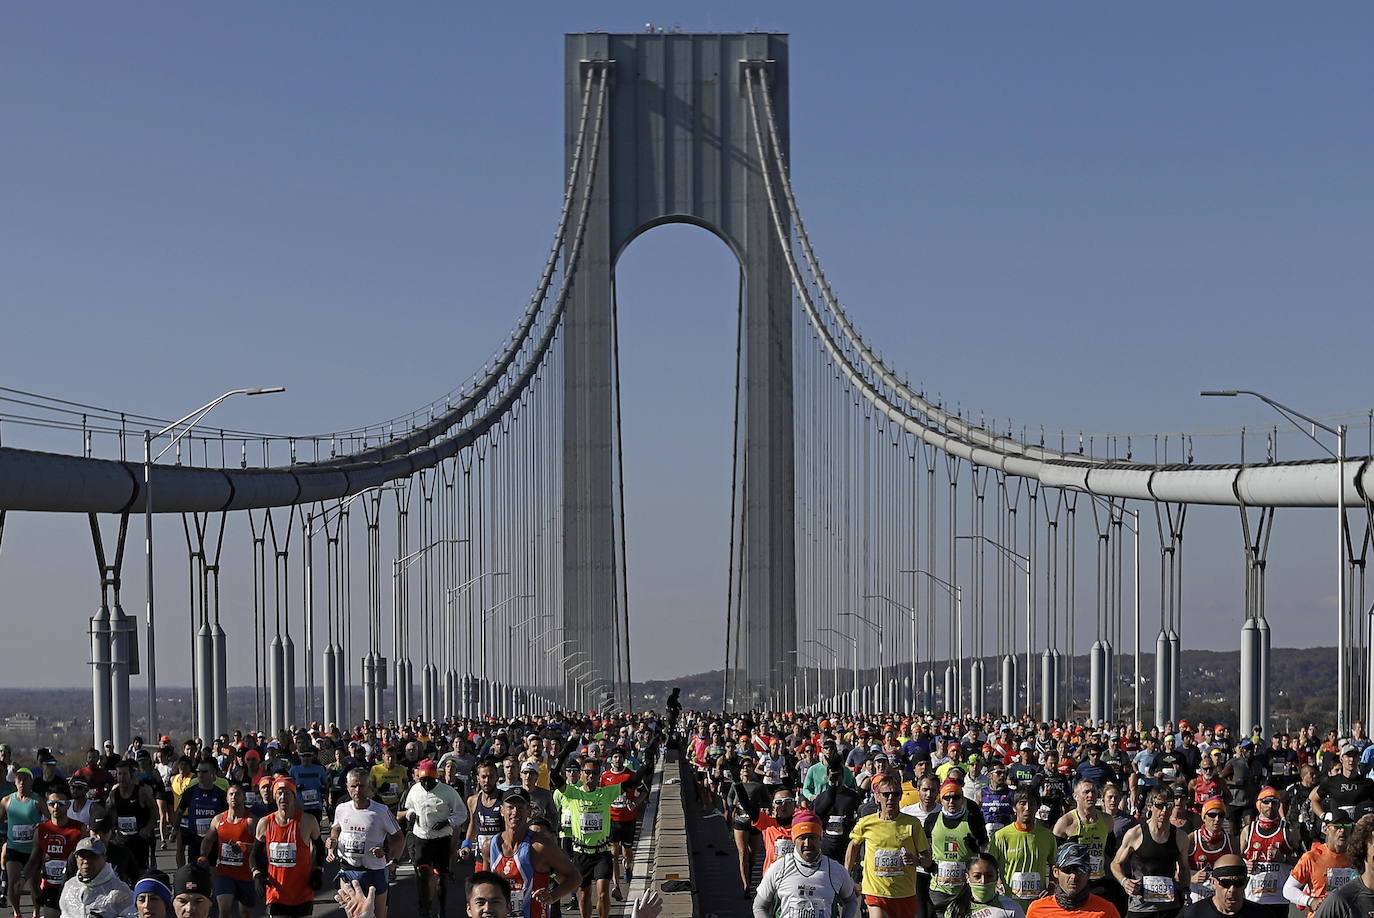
{"points": [[470, 555]]}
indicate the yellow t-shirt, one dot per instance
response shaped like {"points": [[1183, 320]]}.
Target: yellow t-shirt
{"points": [[884, 840], [390, 782], [910, 795]]}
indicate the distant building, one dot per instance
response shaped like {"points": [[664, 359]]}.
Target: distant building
{"points": [[21, 723]]}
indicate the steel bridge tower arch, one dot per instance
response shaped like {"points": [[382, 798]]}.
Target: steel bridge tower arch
{"points": [[678, 147]]}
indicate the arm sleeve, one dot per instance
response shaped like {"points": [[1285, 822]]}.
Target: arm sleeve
{"points": [[1293, 891]]}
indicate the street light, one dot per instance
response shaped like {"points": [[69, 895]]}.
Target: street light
{"points": [[957, 634], [854, 648], [834, 666], [882, 670], [1298, 419], [1024, 563], [911, 616], [400, 623], [449, 596], [193, 418]]}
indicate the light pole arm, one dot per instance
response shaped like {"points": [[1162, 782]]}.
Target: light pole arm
{"points": [[195, 416]]}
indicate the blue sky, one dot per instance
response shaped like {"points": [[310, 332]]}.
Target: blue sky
{"points": [[1070, 214]]}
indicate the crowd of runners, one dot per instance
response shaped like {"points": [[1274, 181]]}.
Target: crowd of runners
{"points": [[538, 813], [990, 818]]}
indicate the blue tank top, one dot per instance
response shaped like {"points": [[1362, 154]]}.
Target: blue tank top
{"points": [[202, 806]]}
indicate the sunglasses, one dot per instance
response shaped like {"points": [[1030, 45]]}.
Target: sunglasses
{"points": [[1230, 883], [778, 800], [888, 794], [952, 797]]}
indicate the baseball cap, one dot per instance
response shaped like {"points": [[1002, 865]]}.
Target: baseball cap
{"points": [[1027, 745], [530, 765], [194, 880], [1339, 816], [1349, 749], [427, 769], [1073, 856], [516, 793], [91, 846]]}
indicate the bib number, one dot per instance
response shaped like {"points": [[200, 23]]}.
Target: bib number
{"points": [[310, 797], [804, 907], [203, 824], [1095, 871], [591, 823], [351, 845], [1156, 889], [281, 854], [54, 871], [128, 825], [887, 862], [834, 825], [230, 854], [21, 833], [783, 846], [951, 873], [1026, 884], [1336, 877], [1263, 882]]}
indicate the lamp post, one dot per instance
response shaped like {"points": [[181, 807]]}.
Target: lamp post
{"points": [[190, 420], [834, 667], [400, 630], [911, 616], [469, 698], [1298, 420], [882, 669], [486, 613], [1009, 661], [953, 671], [854, 648]]}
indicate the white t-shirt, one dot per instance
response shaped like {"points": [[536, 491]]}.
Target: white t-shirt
{"points": [[796, 890], [437, 813], [362, 830]]}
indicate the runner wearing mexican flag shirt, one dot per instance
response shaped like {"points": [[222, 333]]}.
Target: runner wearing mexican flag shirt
{"points": [[893, 843]]}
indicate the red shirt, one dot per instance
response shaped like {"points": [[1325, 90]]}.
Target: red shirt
{"points": [[54, 844], [622, 807]]}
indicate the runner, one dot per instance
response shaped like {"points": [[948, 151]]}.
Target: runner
{"points": [[198, 805], [525, 859], [227, 845], [1271, 850], [22, 813], [134, 808], [1071, 897], [1355, 897], [893, 844], [1228, 895], [95, 890], [312, 779], [365, 835], [590, 806], [54, 841], [1091, 827], [435, 811], [191, 888], [486, 824], [956, 833], [624, 815], [287, 855], [804, 882], [1152, 863], [1024, 850], [995, 799], [1205, 845], [1325, 867]]}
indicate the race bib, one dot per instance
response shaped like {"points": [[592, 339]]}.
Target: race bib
{"points": [[1263, 882], [1336, 877], [1026, 884], [351, 845], [805, 907], [951, 873], [590, 823], [281, 854], [21, 833], [484, 845], [203, 824], [1156, 889], [834, 825], [620, 802], [783, 846], [310, 797], [128, 825], [1095, 871], [887, 862], [230, 854], [252, 799], [54, 871]]}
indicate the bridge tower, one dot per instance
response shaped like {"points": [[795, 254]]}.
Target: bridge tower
{"points": [[678, 147]]}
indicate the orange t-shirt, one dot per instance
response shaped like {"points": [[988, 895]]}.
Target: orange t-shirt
{"points": [[1313, 871], [1095, 907]]}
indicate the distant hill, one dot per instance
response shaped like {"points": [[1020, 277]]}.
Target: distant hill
{"points": [[1304, 690]]}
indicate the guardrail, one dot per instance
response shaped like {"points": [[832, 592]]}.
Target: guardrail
{"points": [[672, 846]]}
